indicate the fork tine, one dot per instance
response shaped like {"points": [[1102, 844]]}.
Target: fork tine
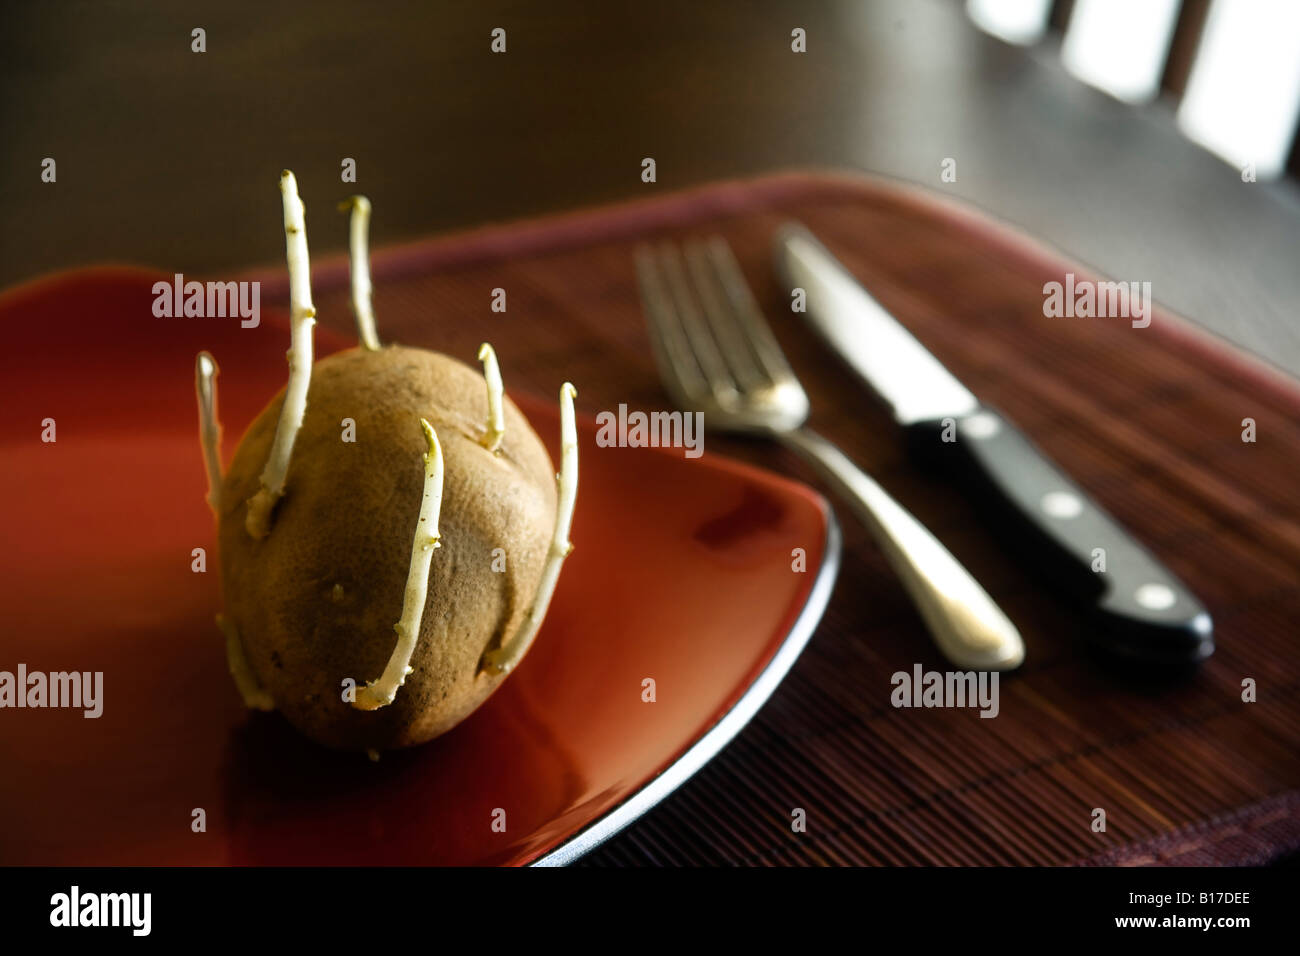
{"points": [[702, 342], [676, 361], [731, 337], [758, 332]]}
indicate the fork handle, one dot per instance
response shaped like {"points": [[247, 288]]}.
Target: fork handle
{"points": [[968, 627]]}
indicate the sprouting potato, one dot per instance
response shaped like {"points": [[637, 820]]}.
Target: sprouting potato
{"points": [[378, 590]]}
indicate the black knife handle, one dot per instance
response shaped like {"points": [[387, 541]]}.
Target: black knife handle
{"points": [[1140, 608]]}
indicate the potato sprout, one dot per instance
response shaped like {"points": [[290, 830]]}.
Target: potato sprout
{"points": [[205, 384], [359, 268], [205, 374], [255, 698], [504, 658], [496, 428], [380, 693], [302, 316]]}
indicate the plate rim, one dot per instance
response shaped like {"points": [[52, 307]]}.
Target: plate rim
{"points": [[727, 727]]}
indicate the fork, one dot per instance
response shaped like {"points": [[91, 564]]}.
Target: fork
{"points": [[717, 355]]}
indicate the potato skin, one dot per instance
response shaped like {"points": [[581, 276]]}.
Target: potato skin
{"points": [[347, 518]]}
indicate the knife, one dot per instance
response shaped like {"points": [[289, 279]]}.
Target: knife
{"points": [[1138, 608]]}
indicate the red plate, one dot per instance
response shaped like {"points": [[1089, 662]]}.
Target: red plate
{"points": [[682, 573]]}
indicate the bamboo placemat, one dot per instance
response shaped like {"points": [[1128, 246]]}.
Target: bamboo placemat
{"points": [[1148, 420]]}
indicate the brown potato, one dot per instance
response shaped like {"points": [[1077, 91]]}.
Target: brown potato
{"points": [[315, 601]]}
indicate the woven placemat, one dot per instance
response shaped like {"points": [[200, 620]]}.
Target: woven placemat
{"points": [[1148, 420]]}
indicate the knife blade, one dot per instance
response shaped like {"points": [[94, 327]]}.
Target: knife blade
{"points": [[1139, 609]]}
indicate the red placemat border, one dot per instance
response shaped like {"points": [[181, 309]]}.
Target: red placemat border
{"points": [[1254, 835]]}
